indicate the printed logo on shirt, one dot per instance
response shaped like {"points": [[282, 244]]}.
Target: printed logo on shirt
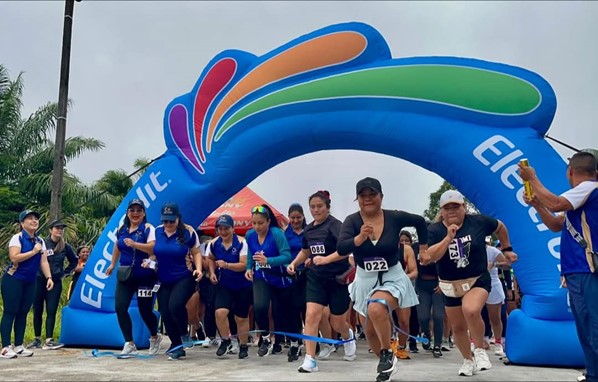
{"points": [[459, 251]]}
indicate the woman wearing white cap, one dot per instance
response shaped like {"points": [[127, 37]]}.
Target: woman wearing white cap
{"points": [[381, 285], [457, 244], [27, 254]]}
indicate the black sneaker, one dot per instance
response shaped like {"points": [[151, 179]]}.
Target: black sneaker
{"points": [[383, 377], [265, 348], [276, 349], [436, 352], [223, 348], [427, 345], [36, 344], [387, 362], [243, 352], [50, 344], [177, 354], [294, 353], [413, 347]]}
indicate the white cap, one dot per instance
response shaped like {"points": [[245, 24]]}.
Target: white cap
{"points": [[451, 196]]}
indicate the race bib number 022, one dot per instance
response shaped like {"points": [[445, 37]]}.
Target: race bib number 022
{"points": [[375, 264]]}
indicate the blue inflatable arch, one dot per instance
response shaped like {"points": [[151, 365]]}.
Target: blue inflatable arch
{"points": [[467, 120]]}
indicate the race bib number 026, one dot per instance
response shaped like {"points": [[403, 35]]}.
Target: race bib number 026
{"points": [[375, 264]]}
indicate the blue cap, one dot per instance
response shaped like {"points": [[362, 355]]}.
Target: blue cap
{"points": [[26, 213], [170, 212], [136, 202], [225, 221]]}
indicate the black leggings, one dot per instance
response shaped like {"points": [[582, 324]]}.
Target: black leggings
{"points": [[18, 297], [51, 298], [281, 299], [430, 300], [122, 299], [172, 301]]}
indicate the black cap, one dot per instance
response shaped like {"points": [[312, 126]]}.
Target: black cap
{"points": [[136, 202], [26, 213], [370, 183], [170, 212], [57, 223]]}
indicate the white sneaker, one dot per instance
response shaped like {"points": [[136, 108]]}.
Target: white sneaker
{"points": [[350, 348], [582, 377], [155, 344], [499, 351], [129, 350], [22, 351], [468, 368], [8, 353], [481, 359], [309, 365], [206, 343], [325, 351], [234, 346]]}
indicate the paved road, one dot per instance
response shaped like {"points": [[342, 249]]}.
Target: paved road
{"points": [[202, 365]]}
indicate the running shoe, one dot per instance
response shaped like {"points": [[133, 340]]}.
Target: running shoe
{"points": [[481, 359], [129, 350], [350, 347], [21, 351], [154, 347], [499, 350], [309, 365], [36, 344], [223, 348], [468, 368], [8, 353], [436, 352], [294, 352], [177, 354], [325, 350], [265, 348], [50, 344], [243, 352], [387, 362]]}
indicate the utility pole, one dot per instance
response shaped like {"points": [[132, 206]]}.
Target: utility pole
{"points": [[59, 160]]}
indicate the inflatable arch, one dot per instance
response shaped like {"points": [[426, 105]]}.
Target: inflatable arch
{"points": [[467, 120]]}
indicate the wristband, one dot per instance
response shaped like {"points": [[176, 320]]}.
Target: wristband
{"points": [[508, 249]]}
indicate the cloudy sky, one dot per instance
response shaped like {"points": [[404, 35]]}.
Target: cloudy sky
{"points": [[130, 59]]}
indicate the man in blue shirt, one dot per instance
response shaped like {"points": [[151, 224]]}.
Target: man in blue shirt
{"points": [[579, 236]]}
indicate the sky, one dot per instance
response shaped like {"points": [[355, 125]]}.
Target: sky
{"points": [[130, 59]]}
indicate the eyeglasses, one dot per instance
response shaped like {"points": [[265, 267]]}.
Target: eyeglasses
{"points": [[259, 210]]}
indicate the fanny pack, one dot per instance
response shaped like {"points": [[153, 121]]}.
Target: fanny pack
{"points": [[457, 288]]}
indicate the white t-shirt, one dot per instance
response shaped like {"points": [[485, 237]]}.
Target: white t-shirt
{"points": [[492, 254], [578, 195]]}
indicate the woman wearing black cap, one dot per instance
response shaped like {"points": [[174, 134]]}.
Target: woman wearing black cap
{"points": [[177, 244], [381, 285], [57, 251], [27, 254], [227, 259], [135, 243]]}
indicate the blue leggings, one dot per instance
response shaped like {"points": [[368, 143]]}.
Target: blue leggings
{"points": [[18, 298]]}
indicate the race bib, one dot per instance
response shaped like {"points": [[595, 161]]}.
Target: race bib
{"points": [[375, 264], [145, 292], [317, 249], [49, 252], [156, 288], [260, 266]]}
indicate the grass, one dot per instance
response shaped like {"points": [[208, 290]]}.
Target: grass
{"points": [[29, 335]]}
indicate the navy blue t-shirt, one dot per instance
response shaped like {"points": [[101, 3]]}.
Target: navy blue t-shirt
{"points": [[143, 234], [173, 255], [228, 278]]}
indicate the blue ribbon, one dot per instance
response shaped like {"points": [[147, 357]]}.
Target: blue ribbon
{"points": [[382, 301], [97, 353]]}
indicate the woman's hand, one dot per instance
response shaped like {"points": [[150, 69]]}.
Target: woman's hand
{"points": [[198, 273], [129, 242], [213, 278], [36, 248], [49, 284], [221, 264], [260, 258], [291, 269], [109, 270], [249, 274], [451, 231], [321, 260]]}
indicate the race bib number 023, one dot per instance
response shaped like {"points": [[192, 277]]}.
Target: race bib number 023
{"points": [[375, 264]]}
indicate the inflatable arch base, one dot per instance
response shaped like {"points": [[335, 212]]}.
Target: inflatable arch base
{"points": [[84, 326], [547, 337]]}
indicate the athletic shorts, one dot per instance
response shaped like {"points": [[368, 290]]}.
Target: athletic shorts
{"points": [[237, 301], [327, 292]]}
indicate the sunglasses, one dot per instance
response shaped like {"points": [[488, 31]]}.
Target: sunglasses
{"points": [[259, 210], [168, 221]]}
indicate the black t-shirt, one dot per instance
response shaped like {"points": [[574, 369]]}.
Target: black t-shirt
{"points": [[466, 255], [320, 240], [388, 244]]}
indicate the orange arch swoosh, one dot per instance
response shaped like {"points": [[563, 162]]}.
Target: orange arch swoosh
{"points": [[320, 52]]}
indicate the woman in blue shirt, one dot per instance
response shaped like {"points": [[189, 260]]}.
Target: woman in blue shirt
{"points": [[268, 256], [294, 235], [27, 254], [227, 260], [134, 245], [176, 246]]}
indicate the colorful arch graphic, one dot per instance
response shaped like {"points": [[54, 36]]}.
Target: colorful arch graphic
{"points": [[468, 120]]}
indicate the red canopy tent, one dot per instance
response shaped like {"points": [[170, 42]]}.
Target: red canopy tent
{"points": [[239, 207]]}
